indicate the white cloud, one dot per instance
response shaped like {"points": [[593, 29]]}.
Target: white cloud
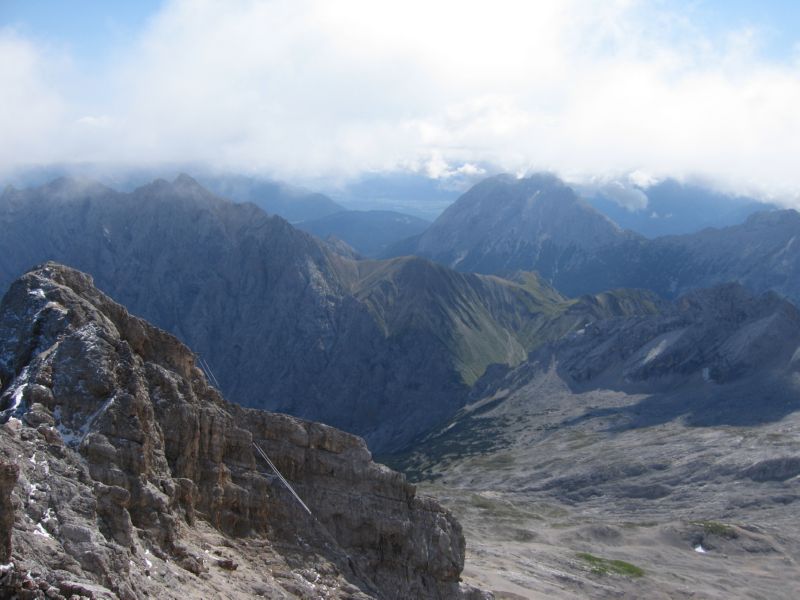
{"points": [[332, 88], [629, 198], [30, 111], [642, 179], [100, 121]]}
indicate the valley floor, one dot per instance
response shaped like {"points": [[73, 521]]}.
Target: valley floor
{"points": [[552, 551], [555, 497]]}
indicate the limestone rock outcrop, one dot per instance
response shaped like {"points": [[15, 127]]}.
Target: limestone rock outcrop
{"points": [[137, 478], [8, 478]]}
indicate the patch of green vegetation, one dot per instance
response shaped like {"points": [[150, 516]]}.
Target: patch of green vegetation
{"points": [[550, 511], [628, 301], [581, 439], [499, 460], [778, 439], [482, 502], [541, 291], [605, 566], [464, 438], [637, 524], [562, 524], [719, 529], [500, 508]]}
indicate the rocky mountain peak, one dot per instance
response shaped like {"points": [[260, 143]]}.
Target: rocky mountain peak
{"points": [[183, 179], [187, 185], [133, 477], [529, 184], [506, 223], [183, 187]]}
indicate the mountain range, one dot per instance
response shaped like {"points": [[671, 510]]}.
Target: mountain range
{"points": [[385, 349], [293, 203], [601, 410], [539, 224], [645, 453]]}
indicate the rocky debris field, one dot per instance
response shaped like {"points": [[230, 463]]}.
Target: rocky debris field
{"points": [[561, 498]]}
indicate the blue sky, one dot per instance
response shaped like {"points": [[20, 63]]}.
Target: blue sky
{"points": [[90, 29], [333, 88], [777, 20]]}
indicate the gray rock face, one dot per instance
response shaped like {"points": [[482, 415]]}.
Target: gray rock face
{"points": [[136, 477], [722, 334], [8, 478], [760, 254], [504, 224], [284, 323]]}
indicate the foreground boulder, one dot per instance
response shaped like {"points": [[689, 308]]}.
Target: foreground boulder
{"points": [[136, 478]]}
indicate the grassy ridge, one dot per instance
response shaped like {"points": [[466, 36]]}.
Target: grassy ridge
{"points": [[605, 566]]}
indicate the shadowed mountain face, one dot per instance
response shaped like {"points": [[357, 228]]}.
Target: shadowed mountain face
{"points": [[539, 224], [383, 349], [719, 356], [369, 232]]}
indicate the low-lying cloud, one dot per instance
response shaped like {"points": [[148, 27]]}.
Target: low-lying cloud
{"points": [[626, 196], [308, 89]]}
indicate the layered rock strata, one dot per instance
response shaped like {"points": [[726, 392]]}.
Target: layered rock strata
{"points": [[137, 478]]}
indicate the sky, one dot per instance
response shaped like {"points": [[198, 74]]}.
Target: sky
{"points": [[306, 90]]}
